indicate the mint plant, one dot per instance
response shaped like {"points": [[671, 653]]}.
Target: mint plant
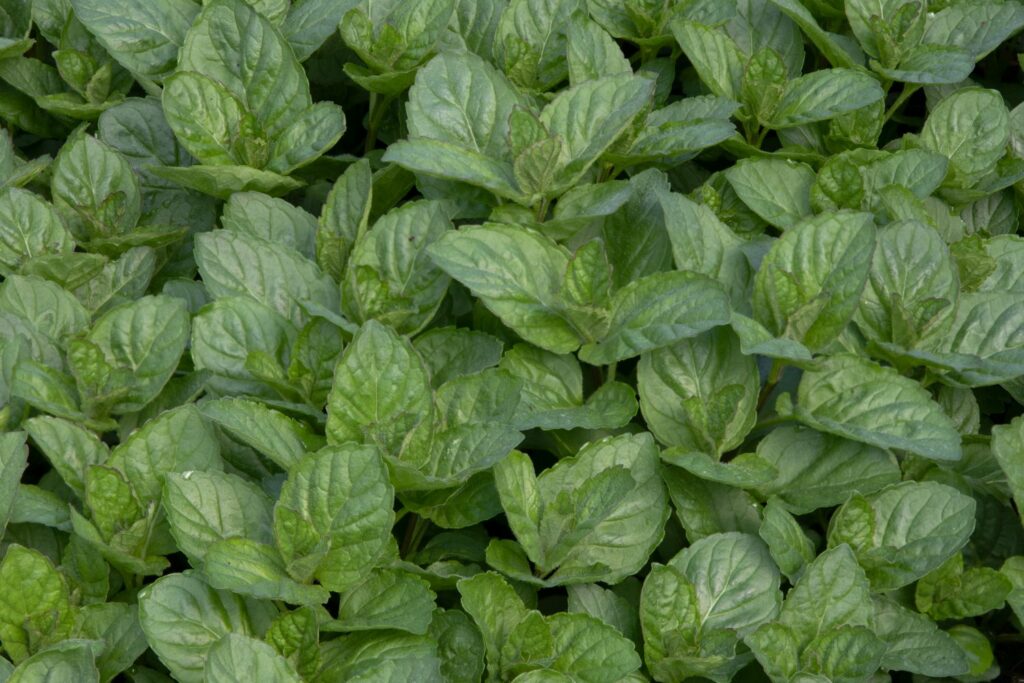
{"points": [[519, 341]]}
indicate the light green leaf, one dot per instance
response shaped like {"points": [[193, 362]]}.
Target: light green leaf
{"points": [[35, 605]]}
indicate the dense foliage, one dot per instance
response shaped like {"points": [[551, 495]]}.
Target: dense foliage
{"points": [[511, 340]]}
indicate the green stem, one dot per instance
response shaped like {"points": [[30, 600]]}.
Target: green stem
{"points": [[908, 90], [414, 531], [378, 105], [773, 422], [773, 379], [609, 376], [541, 211]]}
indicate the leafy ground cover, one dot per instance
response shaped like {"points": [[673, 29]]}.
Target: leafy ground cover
{"points": [[511, 340]]}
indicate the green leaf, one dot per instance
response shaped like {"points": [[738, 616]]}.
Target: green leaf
{"points": [[894, 552], [256, 569], [334, 501], [590, 116], [71, 660], [517, 274], [833, 592], [211, 122], [29, 227], [461, 100], [227, 261], [51, 309], [295, 636], [971, 128], [735, 582], [789, 546], [143, 37], [700, 393], [236, 655], [116, 625], [13, 461], [810, 282], [35, 605], [592, 53], [818, 470], [777, 190], [530, 42], [206, 507], [390, 276], [460, 646], [183, 618], [140, 343], [282, 439], [912, 288], [388, 598], [952, 592], [451, 352], [231, 43], [381, 390], [177, 441], [602, 511], [553, 398], [495, 608], [854, 398], [977, 28], [658, 311], [70, 448], [1006, 448], [223, 181], [96, 189], [823, 95], [713, 54]]}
